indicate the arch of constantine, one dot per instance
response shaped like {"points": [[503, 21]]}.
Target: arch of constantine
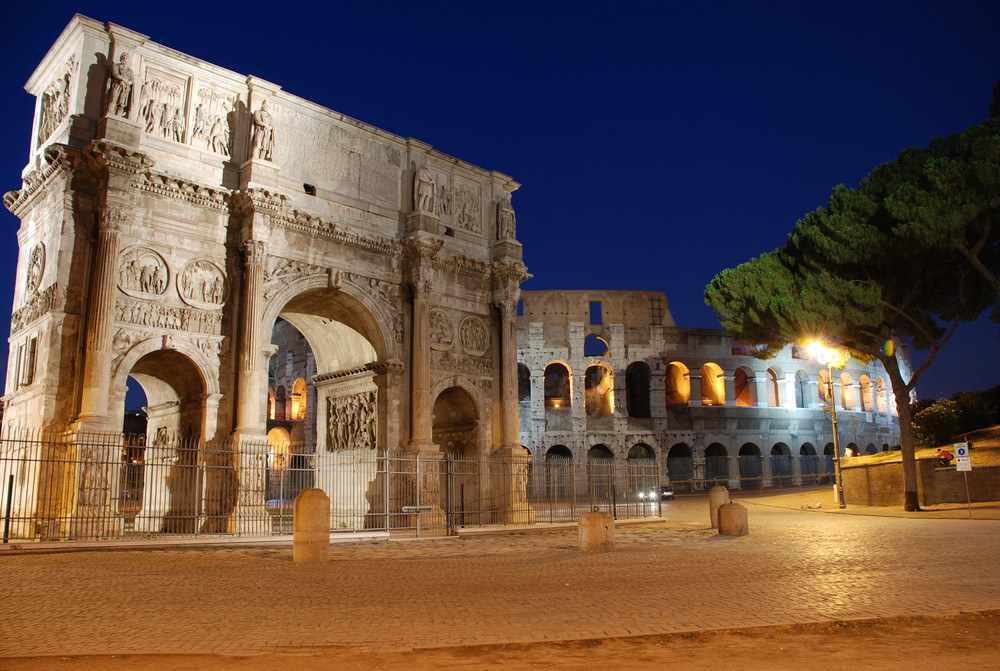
{"points": [[178, 218]]}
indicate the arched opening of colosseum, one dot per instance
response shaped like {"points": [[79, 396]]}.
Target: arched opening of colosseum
{"points": [[559, 472], [643, 477], [523, 384], [751, 467], [781, 465], [801, 381], [558, 392], [717, 465], [173, 497], [326, 337], [637, 377], [867, 394], [773, 395], [741, 388], [809, 464], [713, 385], [871, 449], [680, 467], [881, 399], [456, 431], [847, 397], [595, 346], [599, 386], [600, 474], [677, 383], [824, 386]]}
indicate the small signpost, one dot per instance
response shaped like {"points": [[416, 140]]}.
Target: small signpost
{"points": [[963, 462]]}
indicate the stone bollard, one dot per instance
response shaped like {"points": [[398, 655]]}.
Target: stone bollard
{"points": [[311, 542], [733, 520], [597, 532], [717, 496]]}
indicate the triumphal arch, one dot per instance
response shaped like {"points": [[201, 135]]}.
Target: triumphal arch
{"points": [[175, 213]]}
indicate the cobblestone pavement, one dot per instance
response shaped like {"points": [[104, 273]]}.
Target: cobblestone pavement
{"points": [[796, 566]]}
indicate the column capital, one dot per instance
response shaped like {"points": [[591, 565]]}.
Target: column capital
{"points": [[254, 251]]}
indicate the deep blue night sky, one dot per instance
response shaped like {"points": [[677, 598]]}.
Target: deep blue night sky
{"points": [[657, 142]]}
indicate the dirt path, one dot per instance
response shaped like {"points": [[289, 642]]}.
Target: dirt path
{"points": [[969, 641]]}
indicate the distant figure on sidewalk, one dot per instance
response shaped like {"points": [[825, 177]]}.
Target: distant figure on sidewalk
{"points": [[943, 456]]}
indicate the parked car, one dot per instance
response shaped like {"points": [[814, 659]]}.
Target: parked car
{"points": [[667, 493]]}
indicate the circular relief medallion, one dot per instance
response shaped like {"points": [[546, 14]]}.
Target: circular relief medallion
{"points": [[474, 336], [36, 268], [142, 272], [202, 284], [442, 330]]}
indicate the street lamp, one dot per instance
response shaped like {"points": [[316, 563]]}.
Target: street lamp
{"points": [[832, 358]]}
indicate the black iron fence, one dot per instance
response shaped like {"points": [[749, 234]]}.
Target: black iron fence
{"points": [[83, 486]]}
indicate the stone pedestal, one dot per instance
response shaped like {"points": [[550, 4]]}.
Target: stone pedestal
{"points": [[311, 540], [510, 474], [423, 221], [420, 494], [597, 532], [733, 520], [717, 496]]}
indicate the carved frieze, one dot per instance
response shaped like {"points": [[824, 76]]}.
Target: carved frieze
{"points": [[36, 269], [473, 336], [165, 185], [142, 272], [155, 315], [351, 422], [280, 272], [384, 294], [55, 102], [38, 305], [202, 284], [214, 119], [442, 330], [162, 101], [449, 361]]}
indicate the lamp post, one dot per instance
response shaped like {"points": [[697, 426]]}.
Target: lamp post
{"points": [[828, 356]]}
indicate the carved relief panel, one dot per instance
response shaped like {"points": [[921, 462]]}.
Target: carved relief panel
{"points": [[202, 284], [442, 330], [474, 336], [162, 104], [468, 207], [55, 102], [351, 422], [36, 269], [214, 120], [142, 273]]}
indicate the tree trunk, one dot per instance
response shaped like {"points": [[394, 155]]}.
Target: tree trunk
{"points": [[901, 391]]}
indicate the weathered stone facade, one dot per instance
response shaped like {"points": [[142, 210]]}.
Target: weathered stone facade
{"points": [[608, 374], [172, 212]]}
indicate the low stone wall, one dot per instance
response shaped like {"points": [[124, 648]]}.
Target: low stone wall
{"points": [[882, 484]]}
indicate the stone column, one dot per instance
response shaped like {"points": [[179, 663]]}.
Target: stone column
{"points": [[250, 515], [758, 388], [694, 395], [512, 459], [422, 454], [730, 385], [98, 352], [248, 419], [421, 431]]}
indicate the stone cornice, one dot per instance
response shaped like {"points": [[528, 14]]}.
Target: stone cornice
{"points": [[173, 187], [463, 265], [304, 222], [263, 201], [116, 157], [58, 158]]}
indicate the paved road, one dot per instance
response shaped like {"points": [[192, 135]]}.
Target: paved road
{"points": [[796, 566]]}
